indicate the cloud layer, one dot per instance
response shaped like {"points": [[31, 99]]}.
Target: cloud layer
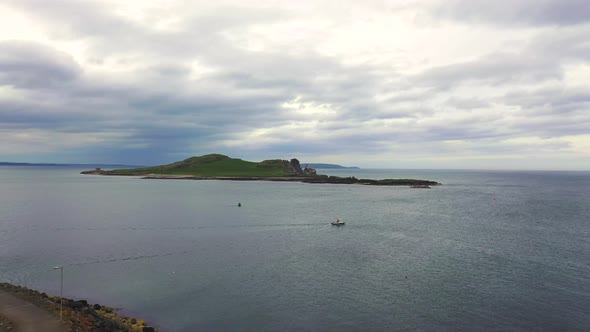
{"points": [[428, 84]]}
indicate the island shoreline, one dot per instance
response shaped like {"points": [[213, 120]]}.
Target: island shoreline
{"points": [[317, 179]]}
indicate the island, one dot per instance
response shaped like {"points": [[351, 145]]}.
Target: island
{"points": [[221, 167]]}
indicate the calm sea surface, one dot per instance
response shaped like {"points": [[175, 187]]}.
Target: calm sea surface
{"points": [[487, 250]]}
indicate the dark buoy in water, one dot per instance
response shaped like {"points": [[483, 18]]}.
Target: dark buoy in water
{"points": [[239, 204]]}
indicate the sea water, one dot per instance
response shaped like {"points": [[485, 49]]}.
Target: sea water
{"points": [[486, 250]]}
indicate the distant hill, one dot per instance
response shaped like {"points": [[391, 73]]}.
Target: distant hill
{"points": [[329, 166], [216, 165]]}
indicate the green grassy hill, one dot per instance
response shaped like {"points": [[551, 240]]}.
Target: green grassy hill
{"points": [[216, 165]]}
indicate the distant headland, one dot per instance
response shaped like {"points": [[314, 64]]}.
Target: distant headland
{"points": [[329, 166], [221, 167]]}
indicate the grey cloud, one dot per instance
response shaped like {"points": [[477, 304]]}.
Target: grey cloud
{"points": [[551, 112], [33, 65], [554, 98], [284, 75], [553, 127], [467, 103], [57, 114], [201, 30], [456, 132], [516, 12], [339, 145], [563, 45], [407, 94], [70, 18], [492, 69]]}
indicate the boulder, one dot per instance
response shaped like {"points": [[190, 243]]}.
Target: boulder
{"points": [[77, 304]]}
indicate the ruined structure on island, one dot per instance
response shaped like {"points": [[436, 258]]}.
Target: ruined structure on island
{"points": [[296, 168], [309, 170]]}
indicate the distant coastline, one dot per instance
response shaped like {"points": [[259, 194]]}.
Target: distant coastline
{"points": [[329, 166], [4, 163]]}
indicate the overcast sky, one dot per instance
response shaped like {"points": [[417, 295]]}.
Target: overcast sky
{"points": [[401, 84]]}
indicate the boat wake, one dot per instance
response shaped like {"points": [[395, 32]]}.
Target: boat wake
{"points": [[140, 257]]}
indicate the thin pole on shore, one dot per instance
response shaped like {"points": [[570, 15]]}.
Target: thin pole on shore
{"points": [[61, 289]]}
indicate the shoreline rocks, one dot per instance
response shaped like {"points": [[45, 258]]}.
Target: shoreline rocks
{"points": [[79, 315], [317, 179], [6, 325]]}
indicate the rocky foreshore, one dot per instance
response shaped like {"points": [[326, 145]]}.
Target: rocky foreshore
{"points": [[79, 315], [6, 325]]}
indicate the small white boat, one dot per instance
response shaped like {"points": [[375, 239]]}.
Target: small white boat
{"points": [[338, 222]]}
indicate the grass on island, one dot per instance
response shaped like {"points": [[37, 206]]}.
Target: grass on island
{"points": [[214, 165]]}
